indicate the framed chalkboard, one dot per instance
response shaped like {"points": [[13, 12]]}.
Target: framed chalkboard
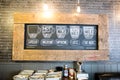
{"points": [[61, 36], [33, 41]]}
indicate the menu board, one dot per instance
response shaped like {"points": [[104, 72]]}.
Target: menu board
{"points": [[61, 36]]}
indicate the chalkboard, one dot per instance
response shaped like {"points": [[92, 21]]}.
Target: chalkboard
{"points": [[61, 36]]}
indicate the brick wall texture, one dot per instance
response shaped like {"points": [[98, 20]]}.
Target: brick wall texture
{"points": [[109, 7], [8, 7]]}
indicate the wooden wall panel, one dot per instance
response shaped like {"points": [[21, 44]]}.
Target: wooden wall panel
{"points": [[19, 53], [62, 18], [103, 32]]}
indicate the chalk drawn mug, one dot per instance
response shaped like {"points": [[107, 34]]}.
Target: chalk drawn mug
{"points": [[33, 31], [61, 31], [89, 32], [47, 31], [75, 32]]}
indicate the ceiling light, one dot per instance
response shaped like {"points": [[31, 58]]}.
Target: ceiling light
{"points": [[78, 6]]}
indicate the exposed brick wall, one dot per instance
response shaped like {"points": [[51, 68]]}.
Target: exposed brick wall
{"points": [[8, 7], [5, 36], [109, 7]]}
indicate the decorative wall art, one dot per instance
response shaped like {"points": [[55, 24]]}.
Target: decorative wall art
{"points": [[61, 36]]}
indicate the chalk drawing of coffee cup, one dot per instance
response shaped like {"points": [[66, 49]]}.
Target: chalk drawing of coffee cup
{"points": [[75, 32], [89, 32], [61, 31], [47, 31], [33, 31]]}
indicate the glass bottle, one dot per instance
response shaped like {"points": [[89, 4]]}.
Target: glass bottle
{"points": [[65, 73]]}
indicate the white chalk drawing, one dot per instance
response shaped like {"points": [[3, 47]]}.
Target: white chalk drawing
{"points": [[33, 31], [61, 31], [47, 31], [61, 42], [46, 42], [75, 42], [75, 32], [61, 36], [32, 42], [87, 42], [89, 32]]}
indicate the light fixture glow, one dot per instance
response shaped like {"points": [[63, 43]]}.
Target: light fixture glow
{"points": [[78, 6], [47, 14], [78, 9], [45, 7]]}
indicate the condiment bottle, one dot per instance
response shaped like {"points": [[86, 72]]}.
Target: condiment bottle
{"points": [[65, 72]]}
